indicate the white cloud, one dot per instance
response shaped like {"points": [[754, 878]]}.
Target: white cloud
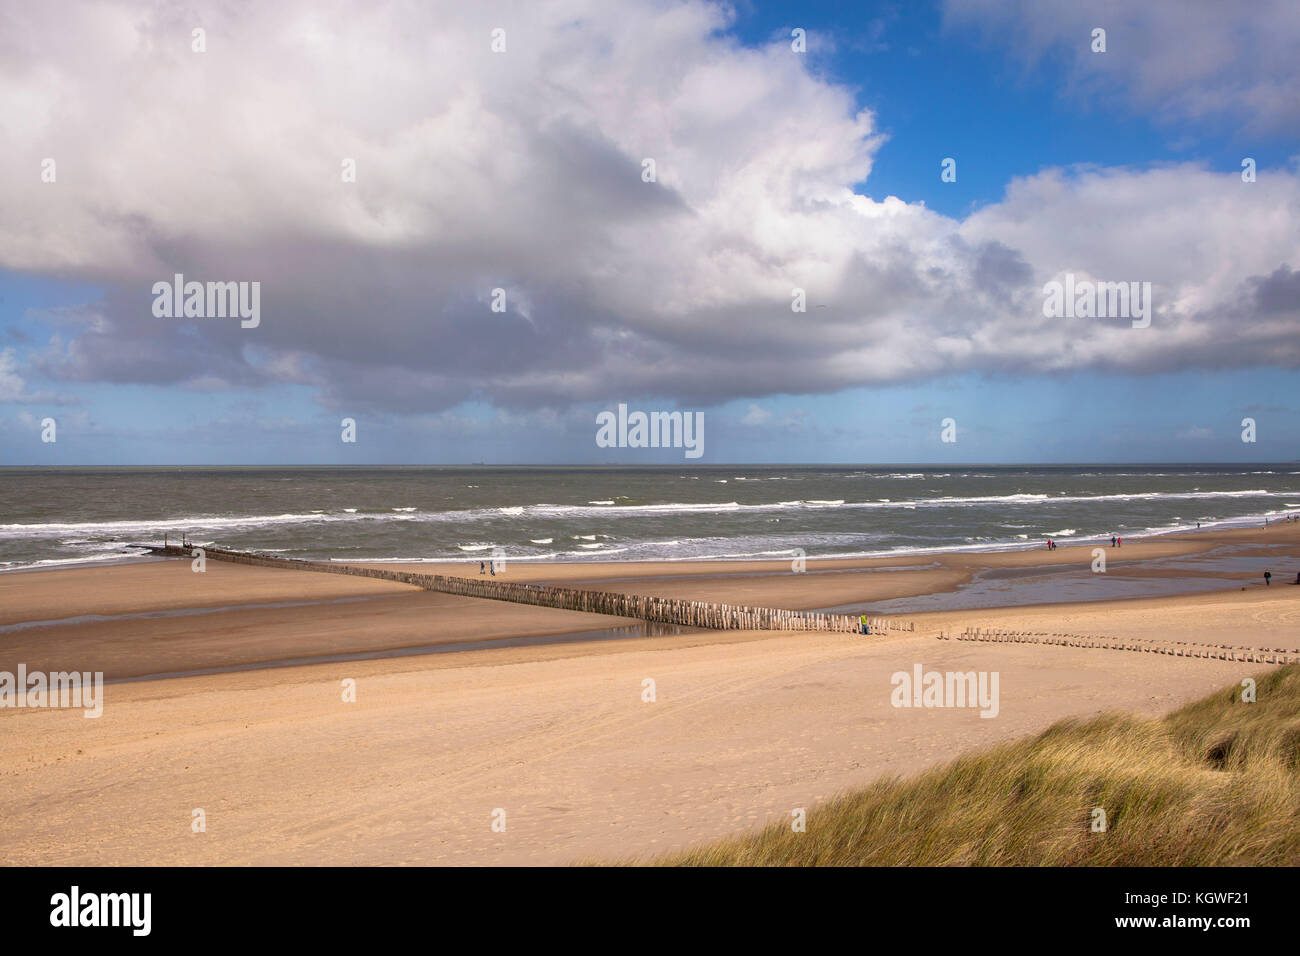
{"points": [[522, 171], [12, 385]]}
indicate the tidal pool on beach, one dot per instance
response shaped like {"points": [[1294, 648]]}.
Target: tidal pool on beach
{"points": [[1218, 569]]}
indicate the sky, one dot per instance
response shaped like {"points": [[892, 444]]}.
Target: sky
{"points": [[475, 227]]}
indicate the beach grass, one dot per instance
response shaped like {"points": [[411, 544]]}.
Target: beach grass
{"points": [[1216, 782]]}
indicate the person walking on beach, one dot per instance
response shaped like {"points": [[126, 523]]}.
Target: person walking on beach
{"points": [[492, 566], [481, 569], [1112, 541], [866, 628], [1268, 578], [1119, 542]]}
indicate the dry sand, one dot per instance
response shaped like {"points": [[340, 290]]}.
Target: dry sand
{"points": [[745, 727]]}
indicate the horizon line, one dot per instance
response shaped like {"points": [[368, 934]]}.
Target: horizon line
{"points": [[677, 465]]}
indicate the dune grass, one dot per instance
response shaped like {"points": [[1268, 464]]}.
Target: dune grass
{"points": [[1214, 783]]}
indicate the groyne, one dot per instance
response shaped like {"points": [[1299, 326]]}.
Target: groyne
{"points": [[1171, 647], [664, 610]]}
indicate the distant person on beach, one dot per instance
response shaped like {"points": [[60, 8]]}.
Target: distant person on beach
{"points": [[1112, 541], [1297, 577], [866, 628], [1268, 578], [492, 566], [1049, 544], [1119, 542], [481, 568]]}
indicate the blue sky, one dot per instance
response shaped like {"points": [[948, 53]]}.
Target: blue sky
{"points": [[1010, 99], [943, 92]]}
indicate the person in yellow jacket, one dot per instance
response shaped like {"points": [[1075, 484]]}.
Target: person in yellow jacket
{"points": [[866, 629]]}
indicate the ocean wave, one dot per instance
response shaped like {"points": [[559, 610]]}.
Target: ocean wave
{"points": [[217, 526], [123, 527], [588, 554], [117, 555], [722, 545]]}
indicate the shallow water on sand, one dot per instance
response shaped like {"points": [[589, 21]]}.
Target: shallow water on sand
{"points": [[1218, 569]]}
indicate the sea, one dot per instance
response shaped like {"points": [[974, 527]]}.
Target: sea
{"points": [[51, 517]]}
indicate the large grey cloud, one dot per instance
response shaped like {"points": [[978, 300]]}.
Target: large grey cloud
{"points": [[522, 170]]}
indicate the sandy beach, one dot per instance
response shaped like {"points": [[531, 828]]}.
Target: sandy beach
{"points": [[743, 727]]}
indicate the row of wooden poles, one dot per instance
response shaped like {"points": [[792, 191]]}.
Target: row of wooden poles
{"points": [[642, 607], [1221, 652]]}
